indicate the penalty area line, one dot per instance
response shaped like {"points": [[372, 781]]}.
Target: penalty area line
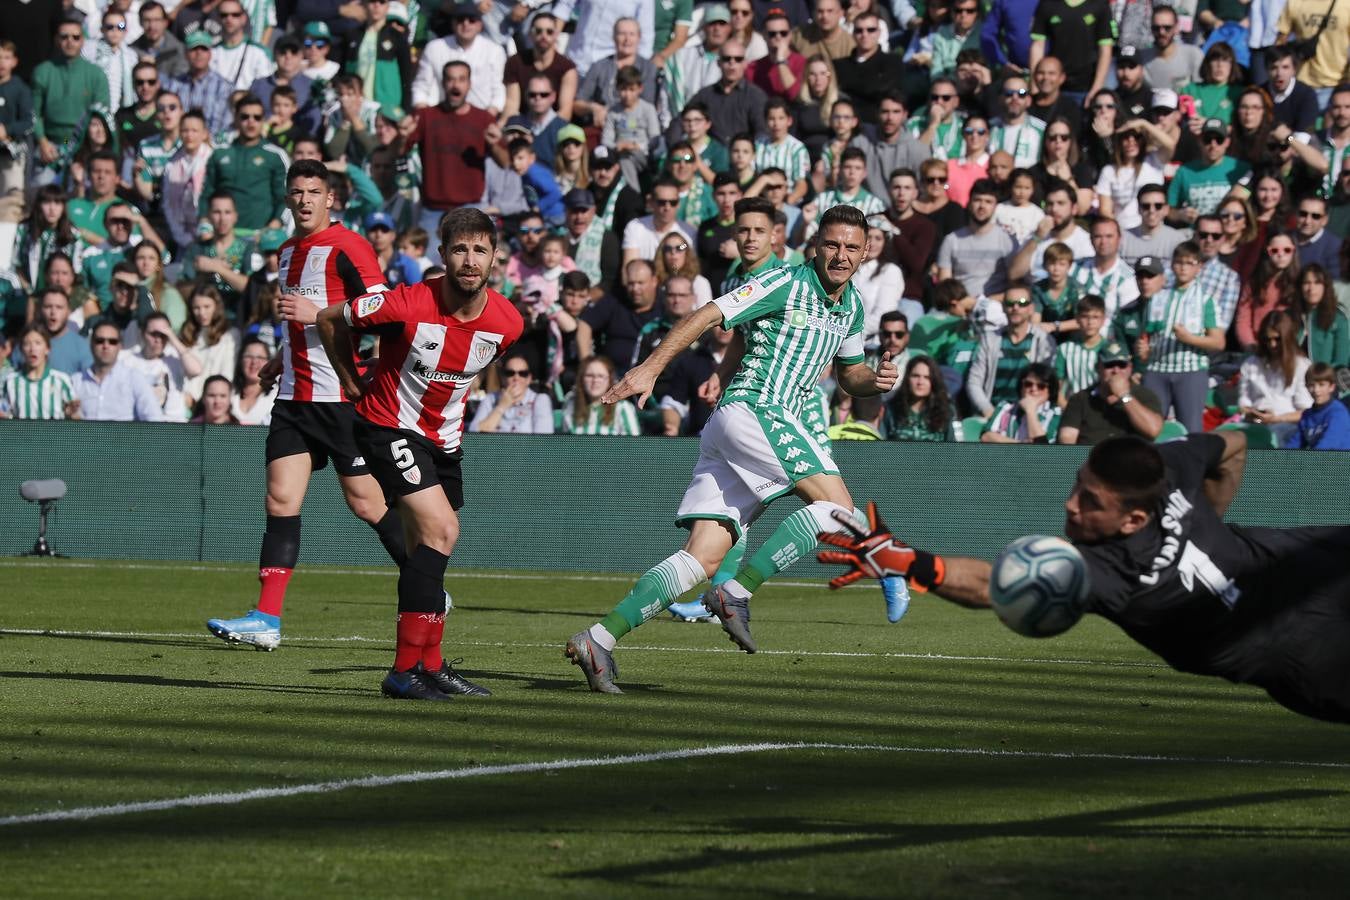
{"points": [[649, 648], [235, 798]]}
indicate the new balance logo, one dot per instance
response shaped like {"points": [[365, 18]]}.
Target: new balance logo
{"points": [[430, 345]]}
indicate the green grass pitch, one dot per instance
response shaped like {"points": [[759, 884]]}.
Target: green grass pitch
{"points": [[963, 761]]}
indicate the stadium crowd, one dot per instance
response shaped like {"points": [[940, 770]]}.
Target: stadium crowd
{"points": [[1085, 219]]}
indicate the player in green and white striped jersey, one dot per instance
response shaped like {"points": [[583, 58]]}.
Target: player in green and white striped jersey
{"points": [[780, 150], [1182, 328], [39, 391], [1076, 356], [754, 448]]}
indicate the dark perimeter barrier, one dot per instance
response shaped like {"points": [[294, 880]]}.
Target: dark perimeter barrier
{"points": [[186, 492]]}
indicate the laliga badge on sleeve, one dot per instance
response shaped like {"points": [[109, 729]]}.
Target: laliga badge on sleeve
{"points": [[368, 304]]}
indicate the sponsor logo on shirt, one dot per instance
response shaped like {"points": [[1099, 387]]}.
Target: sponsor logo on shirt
{"points": [[431, 373]]}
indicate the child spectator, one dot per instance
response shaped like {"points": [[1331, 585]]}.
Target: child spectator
{"points": [[413, 243], [779, 149], [281, 128], [1181, 331], [1018, 215], [1326, 424], [541, 188], [1056, 296], [556, 263], [1076, 356], [632, 127]]}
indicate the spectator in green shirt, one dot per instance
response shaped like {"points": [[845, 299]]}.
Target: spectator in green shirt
{"points": [[64, 89]]}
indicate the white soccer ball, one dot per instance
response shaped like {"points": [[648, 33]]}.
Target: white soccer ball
{"points": [[1039, 585]]}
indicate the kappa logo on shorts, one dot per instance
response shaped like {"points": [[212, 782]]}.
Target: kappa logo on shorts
{"points": [[412, 475], [368, 304]]}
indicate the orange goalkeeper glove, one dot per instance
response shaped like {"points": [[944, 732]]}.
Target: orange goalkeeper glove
{"points": [[876, 553]]}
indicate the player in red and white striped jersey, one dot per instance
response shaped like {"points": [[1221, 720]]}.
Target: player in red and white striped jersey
{"points": [[435, 338], [312, 422]]}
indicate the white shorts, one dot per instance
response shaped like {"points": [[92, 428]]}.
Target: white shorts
{"points": [[747, 458]]}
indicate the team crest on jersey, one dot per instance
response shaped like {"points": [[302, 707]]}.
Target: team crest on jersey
{"points": [[482, 350], [368, 304], [412, 475], [316, 262]]}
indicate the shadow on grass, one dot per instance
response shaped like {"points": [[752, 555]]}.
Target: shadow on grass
{"points": [[161, 681], [1114, 824]]}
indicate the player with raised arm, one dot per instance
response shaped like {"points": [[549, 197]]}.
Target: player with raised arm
{"points": [[321, 266], [755, 447], [1268, 607], [435, 339]]}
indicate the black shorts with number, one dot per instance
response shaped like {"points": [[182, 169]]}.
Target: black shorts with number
{"points": [[404, 462], [323, 430]]}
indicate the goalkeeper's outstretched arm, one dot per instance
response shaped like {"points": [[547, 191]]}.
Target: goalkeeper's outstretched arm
{"points": [[876, 553]]}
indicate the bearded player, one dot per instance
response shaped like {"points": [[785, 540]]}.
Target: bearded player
{"points": [[320, 267], [755, 447], [1268, 607], [435, 339]]}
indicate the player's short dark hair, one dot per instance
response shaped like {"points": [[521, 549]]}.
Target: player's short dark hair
{"points": [[843, 214], [466, 222], [1131, 467], [760, 205], [306, 168], [1090, 303]]}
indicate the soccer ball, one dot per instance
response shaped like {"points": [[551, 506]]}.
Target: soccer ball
{"points": [[1039, 586]]}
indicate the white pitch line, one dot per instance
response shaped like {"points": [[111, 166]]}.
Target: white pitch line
{"points": [[557, 765], [385, 571], [650, 648]]}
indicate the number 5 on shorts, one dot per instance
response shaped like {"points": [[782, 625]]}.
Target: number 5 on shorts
{"points": [[403, 457]]}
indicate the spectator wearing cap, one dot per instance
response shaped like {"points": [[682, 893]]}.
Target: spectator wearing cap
{"points": [[617, 203], [1005, 35], [290, 64], [379, 54], [486, 60], [540, 122], [597, 38], [158, 43], [202, 88], [1131, 320], [826, 34], [694, 66], [594, 248], [1170, 63], [544, 59], [1296, 104], [1171, 131], [236, 58], [454, 139], [1136, 97], [1201, 184], [1152, 236], [317, 44], [599, 91], [734, 105], [1112, 407], [64, 89], [397, 267], [1080, 35]]}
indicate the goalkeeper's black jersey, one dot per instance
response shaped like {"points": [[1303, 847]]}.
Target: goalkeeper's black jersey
{"points": [[1208, 597]]}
